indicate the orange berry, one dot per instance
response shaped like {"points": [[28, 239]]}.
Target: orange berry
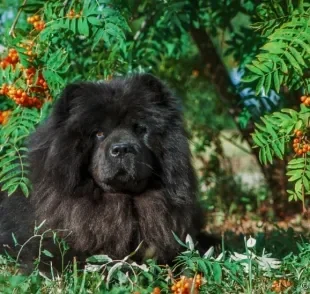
{"points": [[303, 98], [36, 17], [8, 59], [299, 152], [299, 133], [12, 92], [14, 59]]}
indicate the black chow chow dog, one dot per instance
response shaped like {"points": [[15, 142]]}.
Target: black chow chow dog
{"points": [[112, 166]]}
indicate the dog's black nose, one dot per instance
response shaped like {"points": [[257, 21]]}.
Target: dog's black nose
{"points": [[120, 149]]}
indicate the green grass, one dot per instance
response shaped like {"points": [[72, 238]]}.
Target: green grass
{"points": [[280, 263]]}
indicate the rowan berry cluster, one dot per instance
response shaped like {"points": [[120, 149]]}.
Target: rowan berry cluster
{"points": [[36, 86], [305, 100], [20, 96], [37, 22], [11, 59], [281, 285], [156, 290], [4, 116], [72, 14], [184, 285], [300, 145]]}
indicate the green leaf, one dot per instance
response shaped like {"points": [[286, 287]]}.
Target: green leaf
{"points": [[217, 273], [73, 23], [268, 154], [298, 186], [274, 47], [12, 189], [262, 156], [5, 161], [293, 62], [276, 81], [259, 86], [277, 149], [260, 127], [296, 161], [267, 83], [83, 27], [297, 56], [283, 66], [258, 139], [249, 78], [10, 167], [24, 189], [94, 21], [11, 175], [47, 253], [112, 270], [296, 166], [255, 69], [101, 259], [263, 66], [291, 198], [282, 145], [202, 267], [306, 183], [8, 184], [303, 45], [296, 176]]}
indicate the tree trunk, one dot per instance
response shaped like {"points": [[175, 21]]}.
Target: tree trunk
{"points": [[216, 71]]}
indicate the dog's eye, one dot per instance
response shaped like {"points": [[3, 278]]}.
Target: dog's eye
{"points": [[140, 129], [100, 135]]}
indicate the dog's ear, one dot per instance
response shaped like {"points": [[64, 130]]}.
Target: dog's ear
{"points": [[151, 82], [64, 103], [161, 92]]}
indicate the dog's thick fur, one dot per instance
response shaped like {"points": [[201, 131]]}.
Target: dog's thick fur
{"points": [[69, 165]]}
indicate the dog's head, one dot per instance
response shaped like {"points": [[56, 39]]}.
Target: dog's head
{"points": [[121, 133]]}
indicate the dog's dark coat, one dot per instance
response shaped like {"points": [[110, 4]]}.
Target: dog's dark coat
{"points": [[110, 201]]}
